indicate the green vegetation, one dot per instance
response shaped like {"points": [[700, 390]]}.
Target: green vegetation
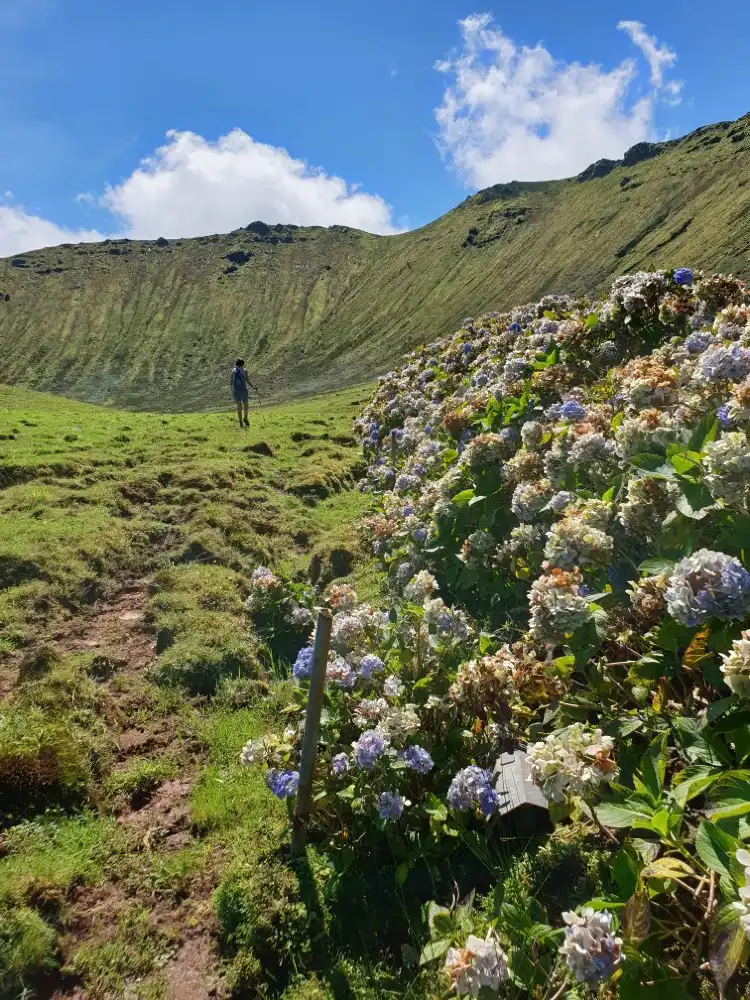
{"points": [[158, 323], [133, 492], [131, 672]]}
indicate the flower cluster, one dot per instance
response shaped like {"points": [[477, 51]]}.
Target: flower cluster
{"points": [[561, 515], [480, 964], [572, 761], [590, 949]]}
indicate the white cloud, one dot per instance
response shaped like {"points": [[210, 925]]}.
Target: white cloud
{"points": [[513, 112], [20, 232], [192, 186], [658, 57]]}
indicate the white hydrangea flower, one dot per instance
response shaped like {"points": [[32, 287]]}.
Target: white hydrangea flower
{"points": [[254, 752], [572, 761], [736, 666], [481, 963], [742, 906], [420, 587], [590, 950], [727, 463], [393, 686], [571, 542], [557, 607]]}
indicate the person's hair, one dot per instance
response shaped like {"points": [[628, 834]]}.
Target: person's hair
{"points": [[240, 363]]}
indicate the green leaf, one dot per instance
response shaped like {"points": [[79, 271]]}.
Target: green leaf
{"points": [[434, 950], [715, 848], [475, 500], [683, 461], [647, 461], [625, 868], [653, 567], [462, 499], [667, 867], [707, 430], [686, 508], [728, 947], [402, 872], [692, 782], [622, 815], [636, 917]]}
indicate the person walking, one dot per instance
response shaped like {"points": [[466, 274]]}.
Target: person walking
{"points": [[239, 391]]}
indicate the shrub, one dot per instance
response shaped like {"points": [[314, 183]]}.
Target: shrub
{"points": [[27, 949], [564, 518]]}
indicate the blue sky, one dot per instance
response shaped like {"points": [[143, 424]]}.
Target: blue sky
{"points": [[381, 115]]}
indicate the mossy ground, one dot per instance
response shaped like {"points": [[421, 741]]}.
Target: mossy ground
{"points": [[131, 677]]}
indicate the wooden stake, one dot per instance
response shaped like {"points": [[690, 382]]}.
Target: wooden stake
{"points": [[312, 729]]}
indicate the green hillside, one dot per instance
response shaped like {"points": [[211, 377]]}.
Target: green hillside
{"points": [[157, 323]]}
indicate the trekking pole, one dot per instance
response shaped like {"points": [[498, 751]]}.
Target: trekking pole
{"points": [[256, 390], [312, 730]]}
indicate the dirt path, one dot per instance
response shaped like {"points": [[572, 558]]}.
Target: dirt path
{"points": [[182, 918]]}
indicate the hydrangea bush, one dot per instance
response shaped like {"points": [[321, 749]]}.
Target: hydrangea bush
{"points": [[562, 515]]}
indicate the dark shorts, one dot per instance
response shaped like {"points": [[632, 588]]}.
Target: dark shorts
{"points": [[240, 396]]}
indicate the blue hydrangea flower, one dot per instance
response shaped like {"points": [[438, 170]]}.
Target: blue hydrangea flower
{"points": [[683, 276], [571, 409], [369, 664], [708, 585], [340, 764], [724, 416], [466, 348], [515, 328], [471, 789], [407, 510], [720, 364], [419, 534], [405, 482], [283, 784], [560, 501], [699, 341], [418, 759], [303, 663], [390, 806], [367, 749]]}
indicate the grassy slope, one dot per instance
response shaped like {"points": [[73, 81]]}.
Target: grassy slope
{"points": [[88, 494], [177, 511], [143, 325]]}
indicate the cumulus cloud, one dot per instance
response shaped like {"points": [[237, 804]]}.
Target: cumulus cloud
{"points": [[192, 186], [20, 232], [515, 112], [658, 57]]}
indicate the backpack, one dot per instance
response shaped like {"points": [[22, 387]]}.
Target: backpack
{"points": [[238, 379]]}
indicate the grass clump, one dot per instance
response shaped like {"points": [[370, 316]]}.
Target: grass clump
{"points": [[27, 949], [136, 783], [202, 628], [45, 857], [133, 953], [263, 924], [42, 761]]}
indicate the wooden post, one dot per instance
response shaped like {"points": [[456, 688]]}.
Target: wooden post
{"points": [[312, 729]]}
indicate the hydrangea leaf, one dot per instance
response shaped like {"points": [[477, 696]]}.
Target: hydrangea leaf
{"points": [[715, 848], [636, 917], [728, 948]]}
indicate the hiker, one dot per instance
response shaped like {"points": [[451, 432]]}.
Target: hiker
{"points": [[240, 383]]}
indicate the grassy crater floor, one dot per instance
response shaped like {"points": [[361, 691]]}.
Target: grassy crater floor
{"points": [[136, 854]]}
